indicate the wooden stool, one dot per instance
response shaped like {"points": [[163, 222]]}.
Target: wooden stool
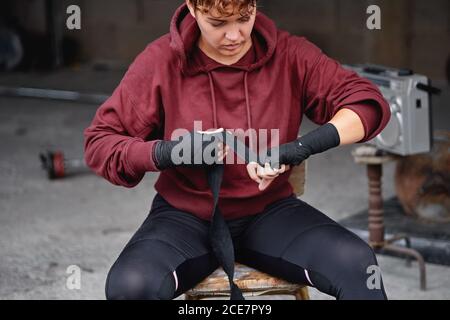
{"points": [[251, 281], [374, 160]]}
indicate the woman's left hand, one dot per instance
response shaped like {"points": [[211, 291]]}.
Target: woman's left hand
{"points": [[264, 176]]}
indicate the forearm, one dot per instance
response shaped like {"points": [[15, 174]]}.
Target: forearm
{"points": [[349, 126]]}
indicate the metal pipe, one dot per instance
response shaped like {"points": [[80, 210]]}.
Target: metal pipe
{"points": [[415, 254], [51, 94]]}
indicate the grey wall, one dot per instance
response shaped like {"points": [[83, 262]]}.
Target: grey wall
{"points": [[415, 33]]}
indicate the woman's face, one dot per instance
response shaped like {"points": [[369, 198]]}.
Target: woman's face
{"points": [[225, 36]]}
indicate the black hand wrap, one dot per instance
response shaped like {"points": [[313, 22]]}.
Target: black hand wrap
{"points": [[294, 153], [194, 149], [166, 156]]}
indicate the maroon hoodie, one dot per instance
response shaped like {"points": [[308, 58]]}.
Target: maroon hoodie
{"points": [[172, 83]]}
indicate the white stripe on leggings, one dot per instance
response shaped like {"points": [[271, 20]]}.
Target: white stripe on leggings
{"points": [[176, 280], [307, 277]]}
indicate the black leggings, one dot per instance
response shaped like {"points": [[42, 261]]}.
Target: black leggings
{"points": [[289, 239]]}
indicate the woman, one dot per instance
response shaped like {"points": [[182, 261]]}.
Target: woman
{"points": [[226, 65]]}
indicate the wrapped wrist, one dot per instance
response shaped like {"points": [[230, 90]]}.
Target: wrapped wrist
{"points": [[294, 153], [320, 139], [189, 150], [162, 154]]}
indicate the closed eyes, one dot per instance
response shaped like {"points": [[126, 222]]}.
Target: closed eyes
{"points": [[244, 20]]}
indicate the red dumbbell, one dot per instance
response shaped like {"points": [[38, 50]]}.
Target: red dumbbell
{"points": [[57, 166]]}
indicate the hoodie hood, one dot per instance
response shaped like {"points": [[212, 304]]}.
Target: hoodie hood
{"points": [[184, 33]]}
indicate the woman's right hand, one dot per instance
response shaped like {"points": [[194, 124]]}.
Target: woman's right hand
{"points": [[264, 176]]}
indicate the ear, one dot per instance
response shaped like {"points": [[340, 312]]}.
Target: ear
{"points": [[191, 8]]}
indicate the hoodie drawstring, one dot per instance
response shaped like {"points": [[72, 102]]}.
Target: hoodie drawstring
{"points": [[213, 98], [247, 106]]}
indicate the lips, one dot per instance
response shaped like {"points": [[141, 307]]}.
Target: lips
{"points": [[232, 47]]}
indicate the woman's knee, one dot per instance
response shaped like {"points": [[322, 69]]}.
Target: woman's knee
{"points": [[338, 261], [357, 263], [144, 271], [361, 256], [350, 272], [331, 247], [351, 256], [135, 283]]}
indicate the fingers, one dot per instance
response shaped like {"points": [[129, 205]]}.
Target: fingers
{"points": [[268, 176], [284, 168], [252, 168], [265, 183], [222, 153], [264, 176], [269, 172]]}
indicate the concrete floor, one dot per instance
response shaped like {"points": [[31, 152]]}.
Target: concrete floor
{"points": [[47, 226]]}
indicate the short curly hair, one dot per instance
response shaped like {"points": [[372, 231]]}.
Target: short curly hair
{"points": [[245, 7]]}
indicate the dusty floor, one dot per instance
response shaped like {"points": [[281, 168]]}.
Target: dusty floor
{"points": [[46, 226]]}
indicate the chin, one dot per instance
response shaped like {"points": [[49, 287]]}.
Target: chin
{"points": [[230, 53]]}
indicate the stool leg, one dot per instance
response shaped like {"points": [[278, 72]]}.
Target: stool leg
{"points": [[302, 294], [190, 297], [376, 223]]}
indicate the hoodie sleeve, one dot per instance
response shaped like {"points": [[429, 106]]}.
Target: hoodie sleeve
{"points": [[116, 144], [326, 87]]}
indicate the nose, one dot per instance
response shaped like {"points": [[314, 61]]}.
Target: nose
{"points": [[232, 34]]}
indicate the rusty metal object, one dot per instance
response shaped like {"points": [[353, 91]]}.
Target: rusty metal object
{"points": [[422, 182], [408, 252], [252, 283]]}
